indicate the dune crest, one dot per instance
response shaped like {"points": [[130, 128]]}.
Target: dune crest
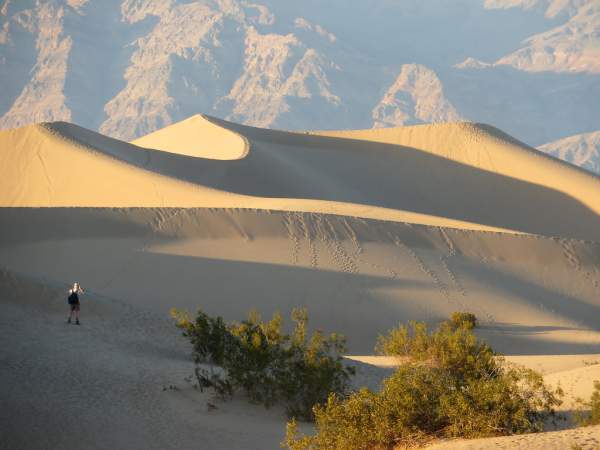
{"points": [[488, 148], [199, 137]]}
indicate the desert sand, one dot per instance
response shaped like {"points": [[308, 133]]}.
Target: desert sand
{"points": [[365, 228]]}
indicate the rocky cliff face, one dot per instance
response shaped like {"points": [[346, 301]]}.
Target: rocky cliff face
{"points": [[570, 47], [417, 96], [129, 67], [181, 33], [277, 68], [42, 98]]}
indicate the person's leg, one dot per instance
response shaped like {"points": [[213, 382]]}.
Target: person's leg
{"points": [[77, 314], [70, 313]]}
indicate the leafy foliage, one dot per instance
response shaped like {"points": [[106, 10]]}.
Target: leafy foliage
{"points": [[269, 366], [589, 412], [449, 384], [463, 320], [449, 347]]}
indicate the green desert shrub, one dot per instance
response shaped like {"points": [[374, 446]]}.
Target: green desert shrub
{"points": [[268, 365], [448, 347], [463, 320], [449, 384], [589, 412]]}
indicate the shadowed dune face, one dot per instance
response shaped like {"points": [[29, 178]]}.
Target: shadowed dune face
{"points": [[359, 277]]}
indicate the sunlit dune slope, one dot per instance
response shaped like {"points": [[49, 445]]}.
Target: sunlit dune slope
{"points": [[454, 175], [197, 136], [64, 165]]}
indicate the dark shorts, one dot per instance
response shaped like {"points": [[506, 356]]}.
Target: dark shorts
{"points": [[74, 306]]}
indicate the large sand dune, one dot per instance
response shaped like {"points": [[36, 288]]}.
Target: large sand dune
{"points": [[364, 228], [458, 175]]}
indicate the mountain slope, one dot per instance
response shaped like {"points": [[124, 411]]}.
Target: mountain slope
{"points": [[571, 47], [277, 68], [551, 8], [128, 68], [582, 150], [416, 96], [186, 31], [42, 99]]}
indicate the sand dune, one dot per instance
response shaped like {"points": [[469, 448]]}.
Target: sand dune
{"points": [[364, 228], [455, 175], [61, 164], [197, 137]]}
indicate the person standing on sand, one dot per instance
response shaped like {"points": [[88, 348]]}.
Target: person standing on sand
{"points": [[74, 302]]}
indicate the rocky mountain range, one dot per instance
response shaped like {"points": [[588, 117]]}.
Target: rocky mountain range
{"points": [[571, 46], [582, 150], [129, 67]]}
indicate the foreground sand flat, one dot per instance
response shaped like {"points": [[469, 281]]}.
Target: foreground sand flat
{"points": [[112, 371], [587, 438], [366, 229]]}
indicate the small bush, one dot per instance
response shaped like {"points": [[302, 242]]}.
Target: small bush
{"points": [[268, 365], [463, 320], [449, 385], [589, 412], [451, 348]]}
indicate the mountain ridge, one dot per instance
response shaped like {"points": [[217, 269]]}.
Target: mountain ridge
{"points": [[271, 64]]}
